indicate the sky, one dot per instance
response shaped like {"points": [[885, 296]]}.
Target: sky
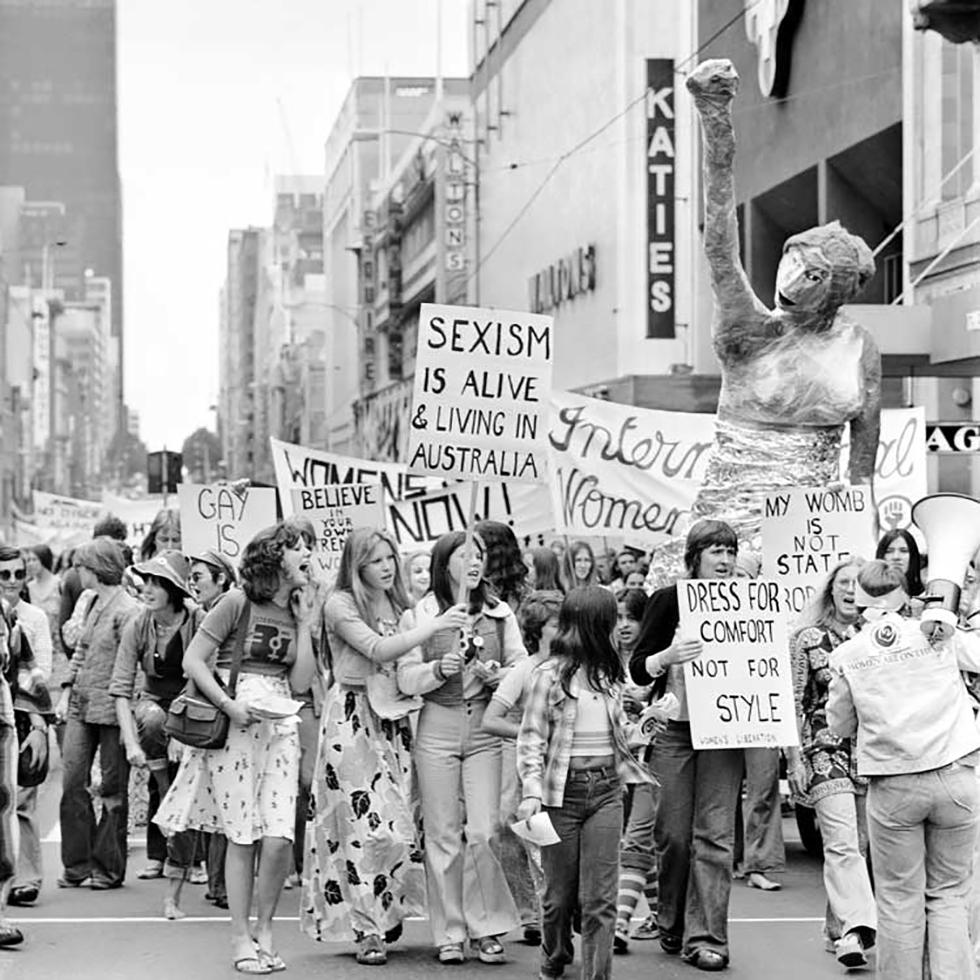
{"points": [[208, 90]]}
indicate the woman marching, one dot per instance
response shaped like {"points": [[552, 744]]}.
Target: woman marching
{"points": [[247, 789], [363, 869], [458, 763], [573, 760]]}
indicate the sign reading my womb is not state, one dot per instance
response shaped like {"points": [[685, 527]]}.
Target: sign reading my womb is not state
{"points": [[740, 689], [480, 404], [223, 517], [335, 510]]}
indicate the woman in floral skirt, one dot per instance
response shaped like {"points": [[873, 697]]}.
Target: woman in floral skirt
{"points": [[363, 871]]}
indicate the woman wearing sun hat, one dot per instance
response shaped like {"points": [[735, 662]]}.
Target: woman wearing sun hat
{"points": [[154, 643]]}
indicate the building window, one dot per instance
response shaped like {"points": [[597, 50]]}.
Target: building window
{"points": [[957, 117]]}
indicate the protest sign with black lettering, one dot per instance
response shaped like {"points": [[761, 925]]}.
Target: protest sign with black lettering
{"points": [[807, 532], [740, 689], [335, 510], [481, 400], [223, 517]]}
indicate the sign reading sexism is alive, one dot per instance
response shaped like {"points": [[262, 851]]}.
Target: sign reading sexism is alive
{"points": [[740, 689], [335, 510], [480, 406], [223, 517], [808, 531]]}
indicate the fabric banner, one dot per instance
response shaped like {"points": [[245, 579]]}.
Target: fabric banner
{"points": [[63, 522], [136, 514], [223, 517]]}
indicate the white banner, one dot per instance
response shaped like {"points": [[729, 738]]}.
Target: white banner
{"points": [[740, 690], [334, 512], [137, 515], [807, 532], [419, 508], [480, 401], [222, 517]]}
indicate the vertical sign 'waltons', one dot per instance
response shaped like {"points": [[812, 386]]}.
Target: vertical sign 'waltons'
{"points": [[660, 198]]}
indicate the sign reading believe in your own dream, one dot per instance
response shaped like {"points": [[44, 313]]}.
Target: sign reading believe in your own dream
{"points": [[480, 405], [808, 531], [740, 690]]}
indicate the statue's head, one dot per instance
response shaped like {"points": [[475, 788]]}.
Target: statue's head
{"points": [[821, 269]]}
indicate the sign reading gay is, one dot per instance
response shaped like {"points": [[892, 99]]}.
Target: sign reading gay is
{"points": [[480, 405], [223, 517]]}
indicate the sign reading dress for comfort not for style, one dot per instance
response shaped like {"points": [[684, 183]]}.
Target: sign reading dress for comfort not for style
{"points": [[480, 406], [740, 690]]}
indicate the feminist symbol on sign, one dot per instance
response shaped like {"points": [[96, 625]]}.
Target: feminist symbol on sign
{"points": [[419, 421]]}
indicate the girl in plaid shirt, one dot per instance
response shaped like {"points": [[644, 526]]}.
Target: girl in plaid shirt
{"points": [[573, 759]]}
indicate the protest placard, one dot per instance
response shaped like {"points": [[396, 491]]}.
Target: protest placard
{"points": [[223, 517], [740, 689], [335, 510], [482, 392], [807, 532]]}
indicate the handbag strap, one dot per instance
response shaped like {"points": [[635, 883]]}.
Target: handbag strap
{"points": [[241, 628]]}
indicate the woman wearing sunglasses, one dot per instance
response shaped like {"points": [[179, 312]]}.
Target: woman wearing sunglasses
{"points": [[153, 643]]}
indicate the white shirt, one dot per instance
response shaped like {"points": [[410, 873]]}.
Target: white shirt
{"points": [[34, 623]]}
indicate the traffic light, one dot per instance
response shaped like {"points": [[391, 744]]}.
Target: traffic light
{"points": [[163, 471]]}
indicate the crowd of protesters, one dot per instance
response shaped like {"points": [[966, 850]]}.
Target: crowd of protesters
{"points": [[435, 699]]}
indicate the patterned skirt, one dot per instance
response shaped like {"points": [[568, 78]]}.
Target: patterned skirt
{"points": [[245, 790], [363, 871]]}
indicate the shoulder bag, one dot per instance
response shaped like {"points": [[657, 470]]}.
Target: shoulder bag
{"points": [[194, 719]]}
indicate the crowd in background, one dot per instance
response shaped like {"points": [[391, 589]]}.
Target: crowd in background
{"points": [[434, 698]]}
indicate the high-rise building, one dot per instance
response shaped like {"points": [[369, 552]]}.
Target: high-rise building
{"points": [[58, 134]]}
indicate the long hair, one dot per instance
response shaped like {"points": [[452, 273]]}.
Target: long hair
{"points": [[357, 551], [547, 571], [406, 569], [43, 554], [442, 586], [533, 614], [568, 566], [168, 517], [820, 611], [701, 537], [584, 639], [261, 566], [504, 568], [913, 577]]}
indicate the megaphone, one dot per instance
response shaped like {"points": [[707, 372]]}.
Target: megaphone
{"points": [[950, 523]]}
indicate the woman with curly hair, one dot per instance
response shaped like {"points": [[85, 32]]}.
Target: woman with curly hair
{"points": [[823, 771], [247, 789], [457, 762], [363, 869]]}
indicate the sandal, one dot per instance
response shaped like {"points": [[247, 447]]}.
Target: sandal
{"points": [[489, 950], [252, 964], [371, 951], [273, 960], [452, 953]]}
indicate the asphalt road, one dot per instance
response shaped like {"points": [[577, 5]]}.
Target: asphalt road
{"points": [[78, 935]]}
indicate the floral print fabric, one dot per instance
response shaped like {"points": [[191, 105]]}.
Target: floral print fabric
{"points": [[363, 870]]}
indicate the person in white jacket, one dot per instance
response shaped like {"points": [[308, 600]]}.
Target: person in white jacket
{"points": [[900, 693]]}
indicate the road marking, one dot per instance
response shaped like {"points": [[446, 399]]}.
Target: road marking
{"points": [[159, 920]]}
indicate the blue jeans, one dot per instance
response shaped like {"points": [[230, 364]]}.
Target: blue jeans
{"points": [[583, 869], [87, 849], [695, 836], [922, 828]]}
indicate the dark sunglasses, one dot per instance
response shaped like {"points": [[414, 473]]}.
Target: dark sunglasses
{"points": [[18, 576]]}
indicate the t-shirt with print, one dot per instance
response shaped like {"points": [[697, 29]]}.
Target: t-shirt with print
{"points": [[270, 644]]}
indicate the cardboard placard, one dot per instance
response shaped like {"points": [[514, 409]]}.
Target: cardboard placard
{"points": [[480, 404], [807, 532], [335, 510], [223, 517], [740, 690]]}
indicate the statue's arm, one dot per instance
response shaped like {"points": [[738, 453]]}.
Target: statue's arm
{"points": [[866, 426], [738, 309]]}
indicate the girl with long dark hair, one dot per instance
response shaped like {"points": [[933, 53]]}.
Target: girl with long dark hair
{"points": [[898, 548], [458, 763], [573, 761]]}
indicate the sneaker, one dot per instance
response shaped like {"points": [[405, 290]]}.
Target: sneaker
{"points": [[452, 953], [850, 951], [647, 929], [198, 876]]}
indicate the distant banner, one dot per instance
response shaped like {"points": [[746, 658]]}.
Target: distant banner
{"points": [[740, 689], [66, 518], [223, 518], [419, 509], [137, 515], [621, 470], [807, 532], [335, 511]]}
